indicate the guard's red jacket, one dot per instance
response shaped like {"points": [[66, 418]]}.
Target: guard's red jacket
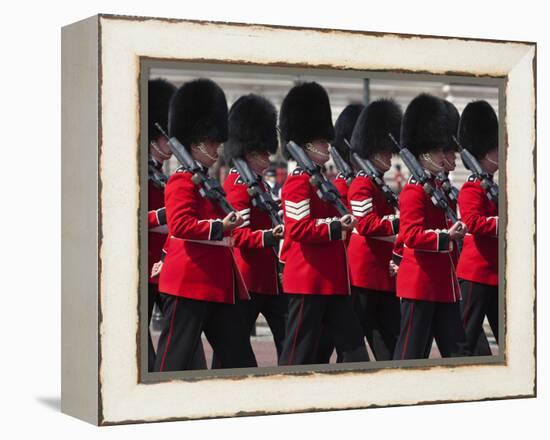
{"points": [[371, 245], [253, 240], [313, 250], [157, 232], [199, 263], [427, 271], [479, 258]]}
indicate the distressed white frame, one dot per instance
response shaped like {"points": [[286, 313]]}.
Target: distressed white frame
{"points": [[122, 43]]}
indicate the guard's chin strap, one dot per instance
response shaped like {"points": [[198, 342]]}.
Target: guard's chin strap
{"points": [[428, 158], [162, 154], [309, 146], [203, 151], [381, 162], [488, 159]]}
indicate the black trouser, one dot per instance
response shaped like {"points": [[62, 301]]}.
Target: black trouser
{"points": [[379, 314], [307, 314], [478, 300], [199, 359], [422, 319], [275, 310], [183, 322]]}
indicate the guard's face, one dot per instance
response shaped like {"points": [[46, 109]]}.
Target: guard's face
{"points": [[490, 161], [258, 161], [450, 160], [433, 160], [160, 150], [382, 161], [317, 150], [206, 152]]}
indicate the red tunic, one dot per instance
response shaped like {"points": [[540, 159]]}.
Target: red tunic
{"points": [[157, 233], [371, 245], [253, 240], [427, 271], [313, 250], [199, 263], [479, 258]]}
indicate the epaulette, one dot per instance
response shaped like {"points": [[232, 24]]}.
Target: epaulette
{"points": [[182, 170], [412, 181], [362, 174], [297, 171], [472, 178]]}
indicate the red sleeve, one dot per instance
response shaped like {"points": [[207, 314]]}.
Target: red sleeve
{"points": [[244, 236], [156, 218], [369, 222], [182, 202], [472, 202], [412, 206], [299, 225]]}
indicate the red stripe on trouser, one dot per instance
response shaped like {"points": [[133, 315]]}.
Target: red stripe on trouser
{"points": [[467, 307], [169, 336], [291, 357], [408, 332]]}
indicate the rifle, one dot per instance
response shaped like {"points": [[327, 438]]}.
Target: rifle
{"points": [[209, 187], [341, 164], [450, 190], [261, 198], [490, 187], [422, 177], [367, 166], [157, 178], [325, 189]]}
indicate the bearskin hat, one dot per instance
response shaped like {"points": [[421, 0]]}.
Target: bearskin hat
{"points": [[478, 128], [160, 92], [343, 128], [252, 127], [452, 125], [305, 115], [379, 118], [198, 112], [424, 126]]}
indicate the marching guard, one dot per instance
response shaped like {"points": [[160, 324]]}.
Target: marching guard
{"points": [[371, 245], [478, 264], [199, 281], [315, 276], [426, 280], [252, 138]]}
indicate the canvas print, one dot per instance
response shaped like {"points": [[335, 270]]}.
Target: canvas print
{"points": [[307, 219]]}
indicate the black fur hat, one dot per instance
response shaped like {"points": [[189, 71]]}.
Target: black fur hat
{"points": [[370, 135], [424, 126], [305, 115], [198, 112], [252, 127], [343, 128], [478, 128], [159, 92], [452, 125]]}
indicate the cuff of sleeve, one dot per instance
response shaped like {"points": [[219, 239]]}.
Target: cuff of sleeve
{"points": [[162, 255], [443, 242], [396, 258], [161, 216], [269, 239], [335, 230], [216, 230]]}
